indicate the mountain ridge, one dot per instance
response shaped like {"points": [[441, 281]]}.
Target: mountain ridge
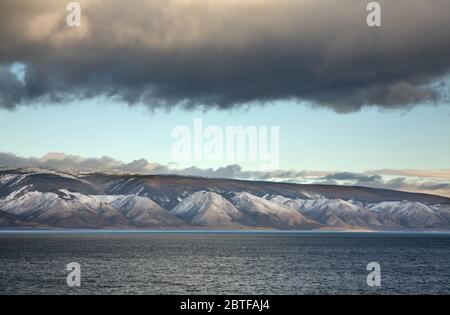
{"points": [[317, 188], [97, 200]]}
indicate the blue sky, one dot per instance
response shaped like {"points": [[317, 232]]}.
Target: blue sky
{"points": [[310, 138]]}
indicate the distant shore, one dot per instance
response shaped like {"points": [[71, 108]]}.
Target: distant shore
{"points": [[210, 231]]}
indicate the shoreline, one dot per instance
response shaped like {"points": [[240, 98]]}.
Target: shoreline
{"points": [[6, 231]]}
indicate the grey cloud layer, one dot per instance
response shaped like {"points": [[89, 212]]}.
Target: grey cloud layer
{"points": [[427, 181], [352, 176], [222, 53], [60, 161]]}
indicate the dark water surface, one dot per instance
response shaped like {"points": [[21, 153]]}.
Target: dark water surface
{"points": [[224, 263]]}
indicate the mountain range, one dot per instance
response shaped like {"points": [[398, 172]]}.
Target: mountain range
{"points": [[63, 199]]}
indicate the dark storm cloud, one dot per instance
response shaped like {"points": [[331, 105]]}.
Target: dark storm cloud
{"points": [[11, 89], [224, 53]]}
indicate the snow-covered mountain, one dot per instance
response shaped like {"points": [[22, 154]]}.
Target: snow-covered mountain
{"points": [[386, 214], [265, 213], [332, 212], [70, 209], [42, 198], [209, 209], [409, 214]]}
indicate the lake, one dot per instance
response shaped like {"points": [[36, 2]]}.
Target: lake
{"points": [[223, 262]]}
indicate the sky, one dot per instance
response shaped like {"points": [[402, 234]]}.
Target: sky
{"points": [[352, 104], [310, 138]]}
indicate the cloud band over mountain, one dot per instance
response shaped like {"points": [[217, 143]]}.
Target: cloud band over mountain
{"points": [[426, 181], [225, 53]]}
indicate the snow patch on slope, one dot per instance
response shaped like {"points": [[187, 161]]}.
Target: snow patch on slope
{"points": [[208, 208], [409, 214], [267, 213]]}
